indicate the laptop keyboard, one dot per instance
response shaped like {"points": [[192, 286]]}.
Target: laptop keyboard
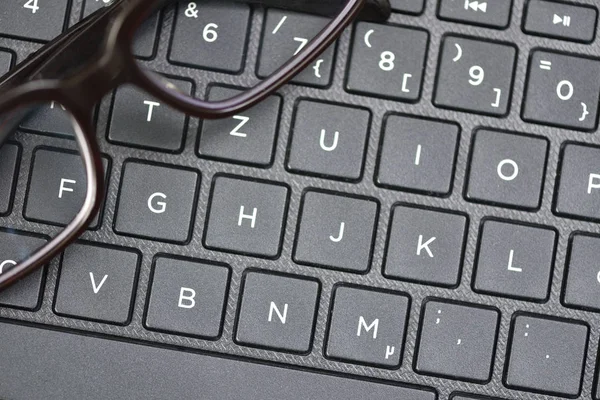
{"points": [[439, 233]]}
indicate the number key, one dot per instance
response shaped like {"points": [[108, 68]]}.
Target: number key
{"points": [[33, 19], [210, 35], [285, 35], [387, 61], [562, 91], [475, 76]]}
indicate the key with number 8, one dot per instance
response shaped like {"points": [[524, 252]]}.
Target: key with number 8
{"points": [[387, 61], [475, 76]]}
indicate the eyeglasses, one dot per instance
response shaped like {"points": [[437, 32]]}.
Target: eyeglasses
{"points": [[80, 67]]}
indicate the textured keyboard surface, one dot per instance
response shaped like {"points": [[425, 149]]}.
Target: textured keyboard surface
{"points": [[428, 221]]}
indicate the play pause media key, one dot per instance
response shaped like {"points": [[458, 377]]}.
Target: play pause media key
{"points": [[561, 20], [493, 13]]}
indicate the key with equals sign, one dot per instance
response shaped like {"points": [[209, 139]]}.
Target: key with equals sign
{"points": [[547, 65]]}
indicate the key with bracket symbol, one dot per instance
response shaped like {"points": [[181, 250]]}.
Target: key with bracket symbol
{"points": [[562, 91]]}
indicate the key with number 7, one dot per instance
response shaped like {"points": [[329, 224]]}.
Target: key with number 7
{"points": [[475, 76]]}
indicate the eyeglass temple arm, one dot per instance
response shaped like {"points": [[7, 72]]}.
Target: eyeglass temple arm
{"points": [[374, 10], [34, 66]]}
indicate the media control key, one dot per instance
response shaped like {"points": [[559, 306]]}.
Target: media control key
{"points": [[475, 76], [561, 20], [562, 90], [493, 13]]}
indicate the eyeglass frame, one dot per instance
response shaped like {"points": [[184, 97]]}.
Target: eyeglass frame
{"points": [[113, 29]]}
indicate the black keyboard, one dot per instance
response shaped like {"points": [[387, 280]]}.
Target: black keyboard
{"points": [[418, 218]]}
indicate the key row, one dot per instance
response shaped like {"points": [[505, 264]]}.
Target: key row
{"points": [[330, 140], [278, 312], [560, 20], [473, 76], [335, 231]]}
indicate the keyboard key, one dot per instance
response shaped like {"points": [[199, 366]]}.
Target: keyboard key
{"points": [[187, 297], [583, 273], [336, 232], [246, 217], [57, 187], [277, 312], [579, 182], [408, 6], [165, 374], [367, 327], [157, 202], [51, 119], [14, 247], [547, 355], [248, 137], [140, 120], [32, 19], [284, 34], [507, 169], [471, 397], [492, 13], [425, 246], [515, 260], [387, 61], [6, 59], [210, 35], [97, 283], [475, 76], [418, 155], [145, 40], [9, 161], [329, 140], [457, 341], [561, 20], [562, 90]]}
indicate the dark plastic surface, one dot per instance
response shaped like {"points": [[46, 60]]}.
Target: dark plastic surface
{"points": [[380, 108]]}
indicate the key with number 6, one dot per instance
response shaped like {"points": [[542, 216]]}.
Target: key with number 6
{"points": [[475, 76]]}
